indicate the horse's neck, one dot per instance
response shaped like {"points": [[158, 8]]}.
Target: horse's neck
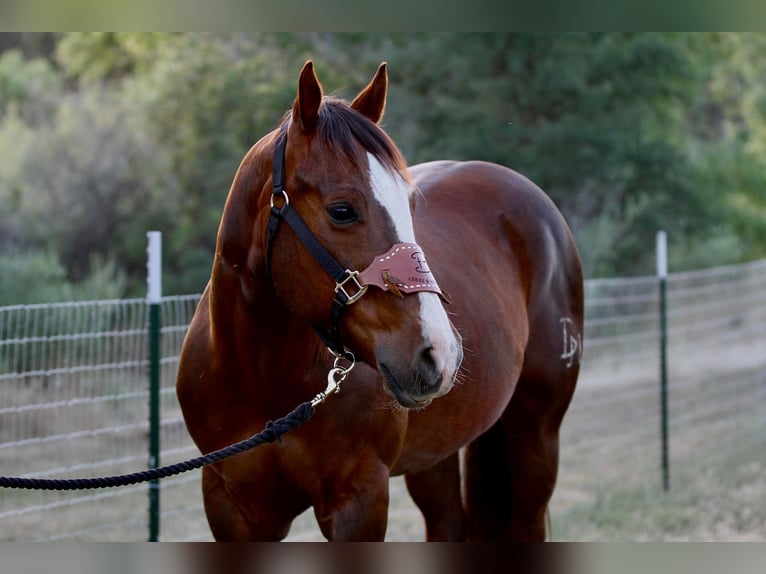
{"points": [[267, 340], [246, 313]]}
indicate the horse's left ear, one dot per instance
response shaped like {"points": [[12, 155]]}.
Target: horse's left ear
{"points": [[306, 106], [371, 101]]}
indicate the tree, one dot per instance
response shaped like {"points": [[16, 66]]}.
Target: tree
{"points": [[106, 135], [729, 134], [97, 196], [597, 120]]}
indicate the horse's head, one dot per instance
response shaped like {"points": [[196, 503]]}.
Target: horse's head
{"points": [[345, 178]]}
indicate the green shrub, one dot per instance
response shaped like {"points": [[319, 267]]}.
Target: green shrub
{"points": [[37, 276]]}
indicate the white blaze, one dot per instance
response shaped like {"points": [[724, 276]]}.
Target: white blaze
{"points": [[393, 193]]}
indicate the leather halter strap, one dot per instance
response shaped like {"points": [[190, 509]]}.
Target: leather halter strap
{"points": [[402, 269], [332, 339]]}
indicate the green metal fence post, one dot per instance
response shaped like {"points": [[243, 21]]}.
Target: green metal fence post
{"points": [[154, 298], [662, 274]]}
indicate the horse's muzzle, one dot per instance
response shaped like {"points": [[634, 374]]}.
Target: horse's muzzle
{"points": [[407, 390], [417, 385]]}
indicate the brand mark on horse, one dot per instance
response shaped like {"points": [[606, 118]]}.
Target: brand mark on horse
{"points": [[572, 342]]}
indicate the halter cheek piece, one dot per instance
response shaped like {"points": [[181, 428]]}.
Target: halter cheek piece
{"points": [[400, 270]]}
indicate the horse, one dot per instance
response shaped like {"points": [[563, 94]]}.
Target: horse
{"points": [[465, 362]]}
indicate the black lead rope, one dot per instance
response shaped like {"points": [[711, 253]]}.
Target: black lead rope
{"points": [[273, 431]]}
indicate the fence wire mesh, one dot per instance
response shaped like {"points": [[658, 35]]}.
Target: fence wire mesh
{"points": [[611, 437], [74, 401]]}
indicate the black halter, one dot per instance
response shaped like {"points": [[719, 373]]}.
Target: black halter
{"points": [[340, 275]]}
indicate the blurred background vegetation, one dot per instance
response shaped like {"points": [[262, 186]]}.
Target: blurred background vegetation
{"points": [[104, 136]]}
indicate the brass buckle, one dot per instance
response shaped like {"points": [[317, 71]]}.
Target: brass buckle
{"points": [[361, 289]]}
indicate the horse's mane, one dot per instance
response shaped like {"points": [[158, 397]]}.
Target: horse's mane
{"points": [[342, 129]]}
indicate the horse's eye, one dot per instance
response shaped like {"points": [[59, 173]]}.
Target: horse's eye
{"points": [[342, 213]]}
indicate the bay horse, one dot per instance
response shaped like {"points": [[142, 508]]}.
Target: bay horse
{"points": [[467, 360]]}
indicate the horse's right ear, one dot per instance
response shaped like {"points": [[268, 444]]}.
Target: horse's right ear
{"points": [[371, 101], [306, 106]]}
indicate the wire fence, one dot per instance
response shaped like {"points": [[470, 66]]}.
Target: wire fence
{"points": [[74, 401], [717, 380]]}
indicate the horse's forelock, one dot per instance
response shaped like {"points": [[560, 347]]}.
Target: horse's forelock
{"points": [[342, 129]]}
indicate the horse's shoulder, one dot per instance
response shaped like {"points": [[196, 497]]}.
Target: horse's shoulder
{"points": [[197, 344]]}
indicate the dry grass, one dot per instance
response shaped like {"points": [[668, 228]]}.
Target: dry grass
{"points": [[609, 483], [720, 503]]}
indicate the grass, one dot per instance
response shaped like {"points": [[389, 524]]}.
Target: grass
{"points": [[725, 501]]}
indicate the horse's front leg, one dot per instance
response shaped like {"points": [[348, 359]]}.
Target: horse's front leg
{"points": [[436, 492], [252, 513], [355, 507]]}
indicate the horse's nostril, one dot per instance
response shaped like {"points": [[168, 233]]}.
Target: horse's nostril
{"points": [[427, 357], [429, 371]]}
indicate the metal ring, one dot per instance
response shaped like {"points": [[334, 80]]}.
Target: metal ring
{"points": [[339, 357], [283, 193]]}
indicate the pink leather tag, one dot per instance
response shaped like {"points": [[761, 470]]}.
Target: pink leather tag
{"points": [[404, 267]]}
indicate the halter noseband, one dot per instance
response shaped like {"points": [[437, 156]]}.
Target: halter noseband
{"points": [[401, 270]]}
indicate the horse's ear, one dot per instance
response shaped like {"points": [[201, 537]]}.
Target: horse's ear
{"points": [[371, 101], [306, 107]]}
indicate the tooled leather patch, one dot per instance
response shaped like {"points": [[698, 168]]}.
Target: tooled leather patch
{"points": [[401, 270]]}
